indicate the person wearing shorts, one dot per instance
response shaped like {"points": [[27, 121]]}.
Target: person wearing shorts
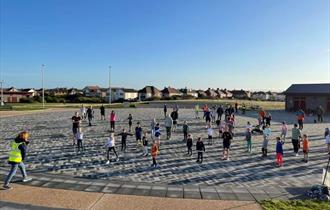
{"points": [[227, 137], [305, 143]]}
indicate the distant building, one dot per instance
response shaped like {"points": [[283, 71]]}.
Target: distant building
{"points": [[201, 94], [30, 90], [13, 95], [211, 93], [149, 92], [168, 92], [260, 95], [241, 94], [307, 97], [227, 93], [93, 91], [57, 91], [125, 94], [220, 93], [189, 92]]}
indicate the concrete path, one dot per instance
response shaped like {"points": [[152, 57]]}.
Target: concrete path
{"points": [[27, 197]]}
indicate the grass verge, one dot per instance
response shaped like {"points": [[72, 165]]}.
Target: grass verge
{"points": [[295, 205]]}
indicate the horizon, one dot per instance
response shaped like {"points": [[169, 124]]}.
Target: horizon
{"points": [[195, 44]]}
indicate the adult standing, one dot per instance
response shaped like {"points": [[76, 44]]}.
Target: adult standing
{"points": [[90, 115], [175, 116], [266, 134], [207, 116], [236, 107], [300, 118], [168, 126], [76, 120], [227, 137], [165, 110], [220, 112], [82, 112], [102, 111], [16, 158], [296, 135], [112, 120], [196, 109], [319, 113], [262, 115]]}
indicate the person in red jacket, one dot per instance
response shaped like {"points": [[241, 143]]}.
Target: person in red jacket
{"points": [[154, 153]]}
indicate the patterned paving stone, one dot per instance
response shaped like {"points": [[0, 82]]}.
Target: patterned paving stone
{"points": [[51, 154]]}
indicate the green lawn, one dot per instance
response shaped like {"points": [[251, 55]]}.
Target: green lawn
{"points": [[295, 205]]}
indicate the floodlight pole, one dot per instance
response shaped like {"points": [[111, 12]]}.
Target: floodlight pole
{"points": [[109, 84], [43, 89]]}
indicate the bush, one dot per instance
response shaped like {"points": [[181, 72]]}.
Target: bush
{"points": [[132, 106], [26, 100]]}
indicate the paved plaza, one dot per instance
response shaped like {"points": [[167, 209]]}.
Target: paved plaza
{"points": [[51, 154]]}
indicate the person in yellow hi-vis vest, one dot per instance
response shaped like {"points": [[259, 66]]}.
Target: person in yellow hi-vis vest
{"points": [[17, 155]]}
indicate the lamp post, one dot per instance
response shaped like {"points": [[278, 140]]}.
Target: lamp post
{"points": [[2, 102], [42, 81], [109, 84]]}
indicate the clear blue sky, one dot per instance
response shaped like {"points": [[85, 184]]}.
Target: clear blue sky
{"points": [[252, 44]]}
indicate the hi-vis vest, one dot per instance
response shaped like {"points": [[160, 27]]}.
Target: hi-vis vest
{"points": [[15, 154]]}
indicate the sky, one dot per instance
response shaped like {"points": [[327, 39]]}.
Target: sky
{"points": [[233, 44]]}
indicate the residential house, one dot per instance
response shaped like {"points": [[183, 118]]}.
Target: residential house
{"points": [[30, 90], [260, 95], [211, 93], [241, 94], [189, 92], [13, 95], [220, 93], [149, 92], [93, 91], [168, 92], [227, 93], [307, 97], [57, 91]]}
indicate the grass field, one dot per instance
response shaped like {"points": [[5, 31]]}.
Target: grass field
{"points": [[295, 205], [269, 105]]}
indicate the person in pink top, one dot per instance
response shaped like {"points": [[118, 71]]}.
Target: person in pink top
{"points": [[112, 120], [284, 130]]}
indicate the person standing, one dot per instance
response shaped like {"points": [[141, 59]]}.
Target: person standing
{"points": [[90, 115], [112, 120], [76, 120], [210, 134], [80, 137], [152, 127], [154, 153], [266, 134], [138, 132], [284, 131], [243, 108], [16, 158], [227, 137], [157, 135], [110, 144], [319, 113], [174, 116], [102, 111], [248, 138], [262, 115], [300, 117], [220, 112], [305, 147], [200, 149], [236, 107], [296, 135], [83, 112], [279, 152], [196, 110], [165, 110], [185, 128], [189, 144], [207, 116], [145, 145], [130, 122], [168, 126]]}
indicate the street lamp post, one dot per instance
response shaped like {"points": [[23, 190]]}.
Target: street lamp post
{"points": [[43, 89], [109, 84]]}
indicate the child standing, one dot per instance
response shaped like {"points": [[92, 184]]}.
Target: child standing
{"points": [[145, 145], [110, 144], [266, 135], [200, 149], [152, 127], [130, 119], [185, 130], [305, 147], [79, 137], [279, 152], [210, 134], [248, 138], [154, 153], [189, 144], [284, 130], [138, 132], [112, 118]]}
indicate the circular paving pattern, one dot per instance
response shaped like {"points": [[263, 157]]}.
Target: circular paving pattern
{"points": [[51, 151]]}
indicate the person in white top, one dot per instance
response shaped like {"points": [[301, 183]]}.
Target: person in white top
{"points": [[210, 134], [110, 145], [83, 112], [80, 137], [249, 126]]}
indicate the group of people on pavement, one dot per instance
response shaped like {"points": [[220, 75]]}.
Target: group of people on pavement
{"points": [[213, 118]]}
